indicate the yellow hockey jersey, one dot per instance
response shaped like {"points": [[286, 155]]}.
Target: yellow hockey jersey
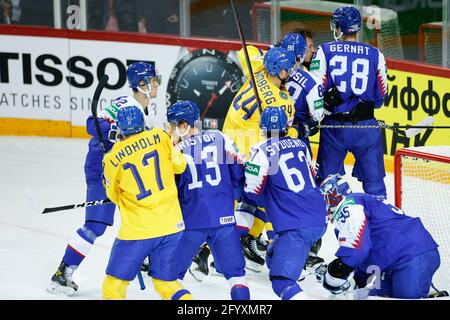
{"points": [[139, 177], [243, 117]]}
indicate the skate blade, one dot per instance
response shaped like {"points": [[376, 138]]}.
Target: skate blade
{"points": [[197, 274], [58, 289], [253, 266]]}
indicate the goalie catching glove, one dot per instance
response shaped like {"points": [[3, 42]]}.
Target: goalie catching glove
{"points": [[335, 276]]}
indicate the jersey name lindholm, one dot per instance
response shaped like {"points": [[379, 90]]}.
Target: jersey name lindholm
{"points": [[142, 143]]}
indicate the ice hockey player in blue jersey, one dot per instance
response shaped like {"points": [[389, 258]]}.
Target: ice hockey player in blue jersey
{"points": [[376, 236], [278, 175], [305, 90], [354, 79], [144, 81], [206, 195]]}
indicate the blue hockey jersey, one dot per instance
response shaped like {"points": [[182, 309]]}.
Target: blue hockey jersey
{"points": [[356, 69], [307, 94], [372, 232], [279, 172], [205, 189]]}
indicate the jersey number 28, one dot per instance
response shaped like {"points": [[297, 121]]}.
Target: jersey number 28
{"points": [[358, 77]]}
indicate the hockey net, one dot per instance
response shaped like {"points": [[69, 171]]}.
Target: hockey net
{"points": [[422, 189], [430, 43], [380, 27]]}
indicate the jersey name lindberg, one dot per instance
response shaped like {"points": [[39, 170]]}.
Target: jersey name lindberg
{"points": [[350, 48], [142, 143], [264, 88]]}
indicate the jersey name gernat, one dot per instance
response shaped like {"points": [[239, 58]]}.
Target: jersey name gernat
{"points": [[350, 48], [142, 143], [264, 88]]}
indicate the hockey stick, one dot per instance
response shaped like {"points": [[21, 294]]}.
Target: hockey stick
{"points": [[97, 93], [247, 58], [411, 131], [75, 206]]}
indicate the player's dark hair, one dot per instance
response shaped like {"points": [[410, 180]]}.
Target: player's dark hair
{"points": [[306, 33]]}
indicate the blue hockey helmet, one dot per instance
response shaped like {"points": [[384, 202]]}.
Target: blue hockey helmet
{"points": [[277, 59], [334, 188], [130, 120], [348, 19], [274, 118], [294, 43], [183, 111], [141, 71]]}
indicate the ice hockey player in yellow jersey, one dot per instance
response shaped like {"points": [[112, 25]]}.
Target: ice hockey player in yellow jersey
{"points": [[139, 177], [242, 120]]}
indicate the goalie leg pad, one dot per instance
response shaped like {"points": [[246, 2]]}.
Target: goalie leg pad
{"points": [[114, 288], [171, 290]]}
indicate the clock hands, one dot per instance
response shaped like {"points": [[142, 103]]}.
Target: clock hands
{"points": [[214, 97]]}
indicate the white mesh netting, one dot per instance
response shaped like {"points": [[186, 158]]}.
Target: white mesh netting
{"points": [[315, 15], [425, 190], [432, 42]]}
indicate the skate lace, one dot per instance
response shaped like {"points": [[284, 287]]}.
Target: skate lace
{"points": [[253, 247]]}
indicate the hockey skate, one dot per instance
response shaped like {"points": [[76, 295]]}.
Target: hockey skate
{"points": [[253, 259], [213, 271], [61, 282], [145, 266], [199, 267]]}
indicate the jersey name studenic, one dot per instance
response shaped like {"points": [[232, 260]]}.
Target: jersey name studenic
{"points": [[205, 189], [279, 170], [356, 69], [139, 177]]}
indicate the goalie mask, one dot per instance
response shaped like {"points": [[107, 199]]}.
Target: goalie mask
{"points": [[334, 189]]}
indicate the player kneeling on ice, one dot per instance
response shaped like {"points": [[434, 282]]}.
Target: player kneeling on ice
{"points": [[376, 236], [139, 177], [279, 176], [205, 192]]}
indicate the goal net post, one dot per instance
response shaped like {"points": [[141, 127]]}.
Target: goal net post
{"points": [[422, 189]]}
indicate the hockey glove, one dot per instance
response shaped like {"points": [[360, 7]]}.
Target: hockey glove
{"points": [[331, 99], [112, 133], [308, 128], [336, 277]]}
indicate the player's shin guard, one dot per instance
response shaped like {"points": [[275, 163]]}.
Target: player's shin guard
{"points": [[81, 242], [285, 288], [239, 288], [244, 215], [171, 290], [258, 223], [114, 289]]}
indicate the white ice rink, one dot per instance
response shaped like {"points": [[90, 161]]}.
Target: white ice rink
{"points": [[32, 245]]}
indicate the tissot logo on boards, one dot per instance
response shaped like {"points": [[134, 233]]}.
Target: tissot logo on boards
{"points": [[50, 70]]}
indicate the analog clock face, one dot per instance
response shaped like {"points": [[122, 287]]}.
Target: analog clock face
{"points": [[211, 79]]}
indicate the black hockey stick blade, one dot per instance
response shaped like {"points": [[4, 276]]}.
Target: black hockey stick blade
{"points": [[74, 206]]}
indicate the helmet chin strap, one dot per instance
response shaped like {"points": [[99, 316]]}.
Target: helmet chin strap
{"points": [[185, 132], [146, 92], [337, 37]]}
